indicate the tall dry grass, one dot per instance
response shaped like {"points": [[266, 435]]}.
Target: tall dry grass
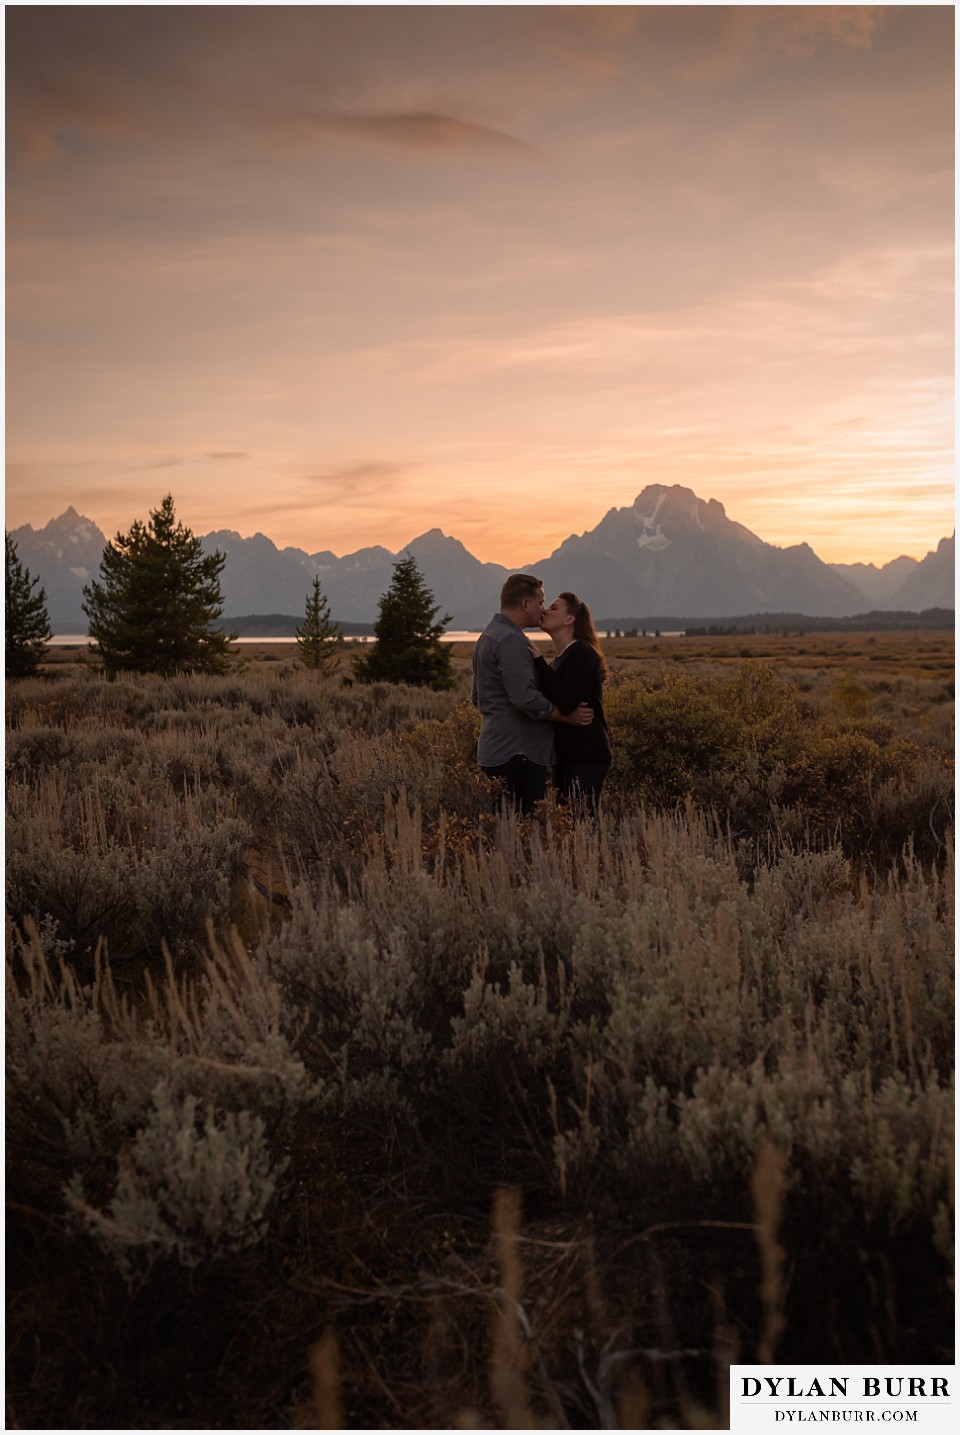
{"points": [[708, 1037]]}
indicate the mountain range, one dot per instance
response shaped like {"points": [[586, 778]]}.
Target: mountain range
{"points": [[669, 552]]}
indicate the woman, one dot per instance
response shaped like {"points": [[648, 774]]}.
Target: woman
{"points": [[576, 676]]}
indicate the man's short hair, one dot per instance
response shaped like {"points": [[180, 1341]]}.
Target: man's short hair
{"points": [[517, 587]]}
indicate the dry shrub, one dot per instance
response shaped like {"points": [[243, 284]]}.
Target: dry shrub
{"points": [[190, 1186], [165, 1103], [115, 852], [766, 758]]}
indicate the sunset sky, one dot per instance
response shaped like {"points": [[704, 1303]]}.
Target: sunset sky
{"points": [[343, 274]]}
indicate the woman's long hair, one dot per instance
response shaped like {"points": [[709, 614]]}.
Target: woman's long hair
{"points": [[583, 627]]}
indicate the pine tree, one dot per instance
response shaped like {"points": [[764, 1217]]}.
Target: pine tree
{"points": [[27, 623], [318, 638], [408, 647], [156, 606]]}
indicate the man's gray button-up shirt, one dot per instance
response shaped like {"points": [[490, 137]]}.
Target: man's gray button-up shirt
{"points": [[504, 689]]}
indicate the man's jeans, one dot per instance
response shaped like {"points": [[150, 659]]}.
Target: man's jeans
{"points": [[523, 780]]}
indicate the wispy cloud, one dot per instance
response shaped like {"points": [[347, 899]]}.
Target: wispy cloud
{"points": [[69, 71], [736, 38], [355, 483], [587, 37], [171, 462], [145, 74], [227, 454], [423, 130], [360, 484]]}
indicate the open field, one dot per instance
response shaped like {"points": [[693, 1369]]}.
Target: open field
{"points": [[881, 655], [907, 674], [336, 1097]]}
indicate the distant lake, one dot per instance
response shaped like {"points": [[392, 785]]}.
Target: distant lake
{"points": [[80, 640], [64, 640]]}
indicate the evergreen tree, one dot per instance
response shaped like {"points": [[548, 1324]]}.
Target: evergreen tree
{"points": [[408, 647], [318, 637], [27, 624], [158, 600]]}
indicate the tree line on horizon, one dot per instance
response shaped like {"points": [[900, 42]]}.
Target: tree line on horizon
{"points": [[157, 604]]}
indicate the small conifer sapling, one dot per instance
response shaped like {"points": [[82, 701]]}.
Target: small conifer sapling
{"points": [[319, 639]]}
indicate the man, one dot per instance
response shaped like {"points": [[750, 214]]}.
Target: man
{"points": [[516, 739]]}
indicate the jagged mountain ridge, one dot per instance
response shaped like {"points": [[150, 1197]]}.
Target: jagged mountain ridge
{"points": [[64, 554], [877, 584], [668, 552], [672, 552], [933, 580]]}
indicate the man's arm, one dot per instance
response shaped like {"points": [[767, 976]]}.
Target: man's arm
{"points": [[516, 669], [582, 716]]}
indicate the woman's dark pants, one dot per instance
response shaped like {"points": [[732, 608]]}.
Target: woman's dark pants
{"points": [[580, 782]]}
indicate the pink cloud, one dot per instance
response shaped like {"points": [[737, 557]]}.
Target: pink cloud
{"points": [[738, 38], [414, 129]]}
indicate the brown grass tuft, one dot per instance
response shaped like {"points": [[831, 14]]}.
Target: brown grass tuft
{"points": [[767, 1188], [322, 1408], [509, 1357]]}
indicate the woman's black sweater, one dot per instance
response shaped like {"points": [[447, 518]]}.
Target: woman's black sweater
{"points": [[574, 678]]}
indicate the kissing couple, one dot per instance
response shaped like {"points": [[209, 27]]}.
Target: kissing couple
{"points": [[540, 715]]}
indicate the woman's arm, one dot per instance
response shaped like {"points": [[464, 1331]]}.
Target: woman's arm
{"points": [[572, 683], [547, 680]]}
